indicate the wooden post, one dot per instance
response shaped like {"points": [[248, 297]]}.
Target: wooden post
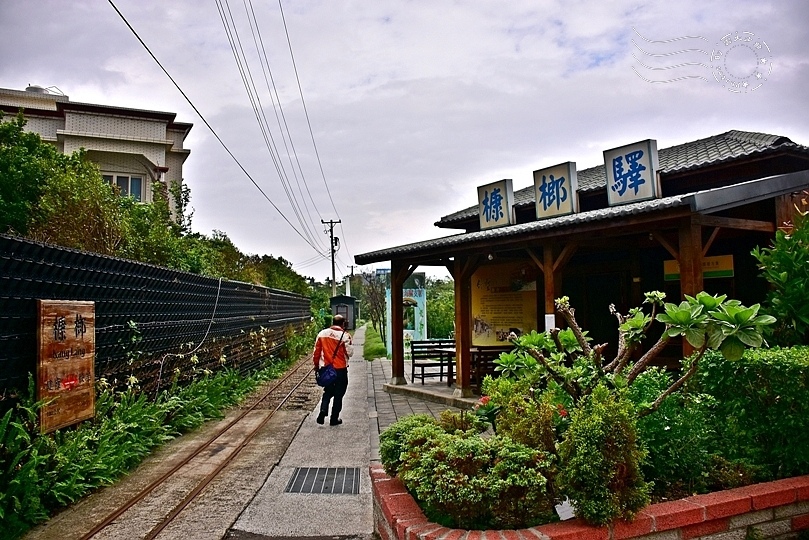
{"points": [[462, 274], [550, 287], [690, 260], [399, 272]]}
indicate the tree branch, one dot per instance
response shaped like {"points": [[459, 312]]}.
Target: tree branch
{"points": [[573, 390], [674, 387], [641, 364], [569, 314]]}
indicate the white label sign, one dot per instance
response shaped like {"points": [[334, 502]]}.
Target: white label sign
{"points": [[495, 204], [632, 172], [555, 190]]}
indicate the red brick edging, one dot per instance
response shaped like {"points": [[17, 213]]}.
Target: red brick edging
{"points": [[771, 509]]}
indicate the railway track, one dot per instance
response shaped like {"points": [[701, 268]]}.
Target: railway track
{"points": [[192, 475]]}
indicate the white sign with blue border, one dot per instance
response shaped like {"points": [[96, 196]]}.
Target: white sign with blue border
{"points": [[555, 190], [495, 204], [632, 172]]}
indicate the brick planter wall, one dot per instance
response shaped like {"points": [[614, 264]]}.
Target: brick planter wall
{"points": [[773, 509]]}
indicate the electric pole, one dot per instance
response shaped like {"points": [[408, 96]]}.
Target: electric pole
{"points": [[333, 241], [348, 280]]}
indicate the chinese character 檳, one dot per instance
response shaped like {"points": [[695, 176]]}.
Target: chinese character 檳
{"points": [[59, 328], [493, 205]]}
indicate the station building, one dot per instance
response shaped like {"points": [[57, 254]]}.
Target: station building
{"points": [[679, 220]]}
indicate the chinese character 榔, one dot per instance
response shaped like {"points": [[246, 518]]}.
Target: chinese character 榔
{"points": [[552, 191], [493, 205], [631, 178], [81, 326]]}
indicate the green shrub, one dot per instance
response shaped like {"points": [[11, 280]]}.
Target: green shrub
{"points": [[474, 482], [785, 266], [600, 459], [461, 421], [525, 415], [464, 480], [763, 403], [678, 438], [393, 441]]}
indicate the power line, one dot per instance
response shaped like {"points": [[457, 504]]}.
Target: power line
{"points": [[208, 125], [254, 97], [305, 110]]}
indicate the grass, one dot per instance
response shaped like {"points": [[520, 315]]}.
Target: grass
{"points": [[42, 473], [374, 348]]}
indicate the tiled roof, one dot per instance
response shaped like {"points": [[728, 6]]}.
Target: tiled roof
{"points": [[702, 201], [688, 156], [461, 239]]}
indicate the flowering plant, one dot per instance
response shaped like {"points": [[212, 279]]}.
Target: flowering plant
{"points": [[486, 410]]}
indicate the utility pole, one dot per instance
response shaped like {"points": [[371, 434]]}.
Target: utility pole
{"points": [[333, 241], [348, 280]]}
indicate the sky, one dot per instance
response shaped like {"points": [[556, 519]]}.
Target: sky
{"points": [[394, 111]]}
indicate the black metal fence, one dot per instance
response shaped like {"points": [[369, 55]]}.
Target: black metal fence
{"points": [[152, 323]]}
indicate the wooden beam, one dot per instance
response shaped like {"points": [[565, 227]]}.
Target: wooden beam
{"points": [[736, 223], [663, 242], [709, 243], [567, 253], [535, 257]]}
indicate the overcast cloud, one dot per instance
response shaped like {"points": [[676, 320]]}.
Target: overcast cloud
{"points": [[413, 104]]}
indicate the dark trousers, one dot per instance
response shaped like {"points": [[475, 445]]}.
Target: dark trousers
{"points": [[335, 390]]}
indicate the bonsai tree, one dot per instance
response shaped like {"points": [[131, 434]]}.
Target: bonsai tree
{"points": [[704, 321]]}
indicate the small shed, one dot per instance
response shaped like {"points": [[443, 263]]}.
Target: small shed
{"points": [[345, 306]]}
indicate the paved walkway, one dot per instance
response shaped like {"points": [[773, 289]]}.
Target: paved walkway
{"points": [[367, 410]]}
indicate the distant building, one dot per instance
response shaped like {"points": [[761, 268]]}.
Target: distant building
{"points": [[134, 148]]}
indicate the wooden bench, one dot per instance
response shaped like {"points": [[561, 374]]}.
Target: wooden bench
{"points": [[483, 362], [427, 354]]}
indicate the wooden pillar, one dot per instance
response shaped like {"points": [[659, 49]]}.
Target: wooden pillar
{"points": [[399, 272], [550, 287], [462, 274], [690, 260]]}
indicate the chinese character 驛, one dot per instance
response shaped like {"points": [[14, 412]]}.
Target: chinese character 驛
{"points": [[631, 178], [81, 326], [552, 191], [59, 327], [493, 206]]}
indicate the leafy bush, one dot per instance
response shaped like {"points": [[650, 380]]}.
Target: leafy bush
{"points": [[525, 415], [464, 480], [679, 438], [763, 403], [600, 459], [393, 442], [785, 266]]}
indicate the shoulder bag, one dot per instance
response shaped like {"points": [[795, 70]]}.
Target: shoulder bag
{"points": [[327, 374]]}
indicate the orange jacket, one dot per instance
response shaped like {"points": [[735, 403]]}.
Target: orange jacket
{"points": [[327, 341]]}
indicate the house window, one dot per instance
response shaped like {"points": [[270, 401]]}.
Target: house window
{"points": [[129, 186]]}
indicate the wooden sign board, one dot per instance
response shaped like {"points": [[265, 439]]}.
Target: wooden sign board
{"points": [[65, 368]]}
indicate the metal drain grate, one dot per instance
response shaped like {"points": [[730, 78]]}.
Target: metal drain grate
{"points": [[334, 480]]}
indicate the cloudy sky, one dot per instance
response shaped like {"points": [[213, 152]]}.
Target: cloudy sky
{"points": [[412, 104]]}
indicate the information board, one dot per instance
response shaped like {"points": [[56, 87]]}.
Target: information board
{"points": [[65, 370]]}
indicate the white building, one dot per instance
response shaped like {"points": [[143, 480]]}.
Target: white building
{"points": [[134, 148]]}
